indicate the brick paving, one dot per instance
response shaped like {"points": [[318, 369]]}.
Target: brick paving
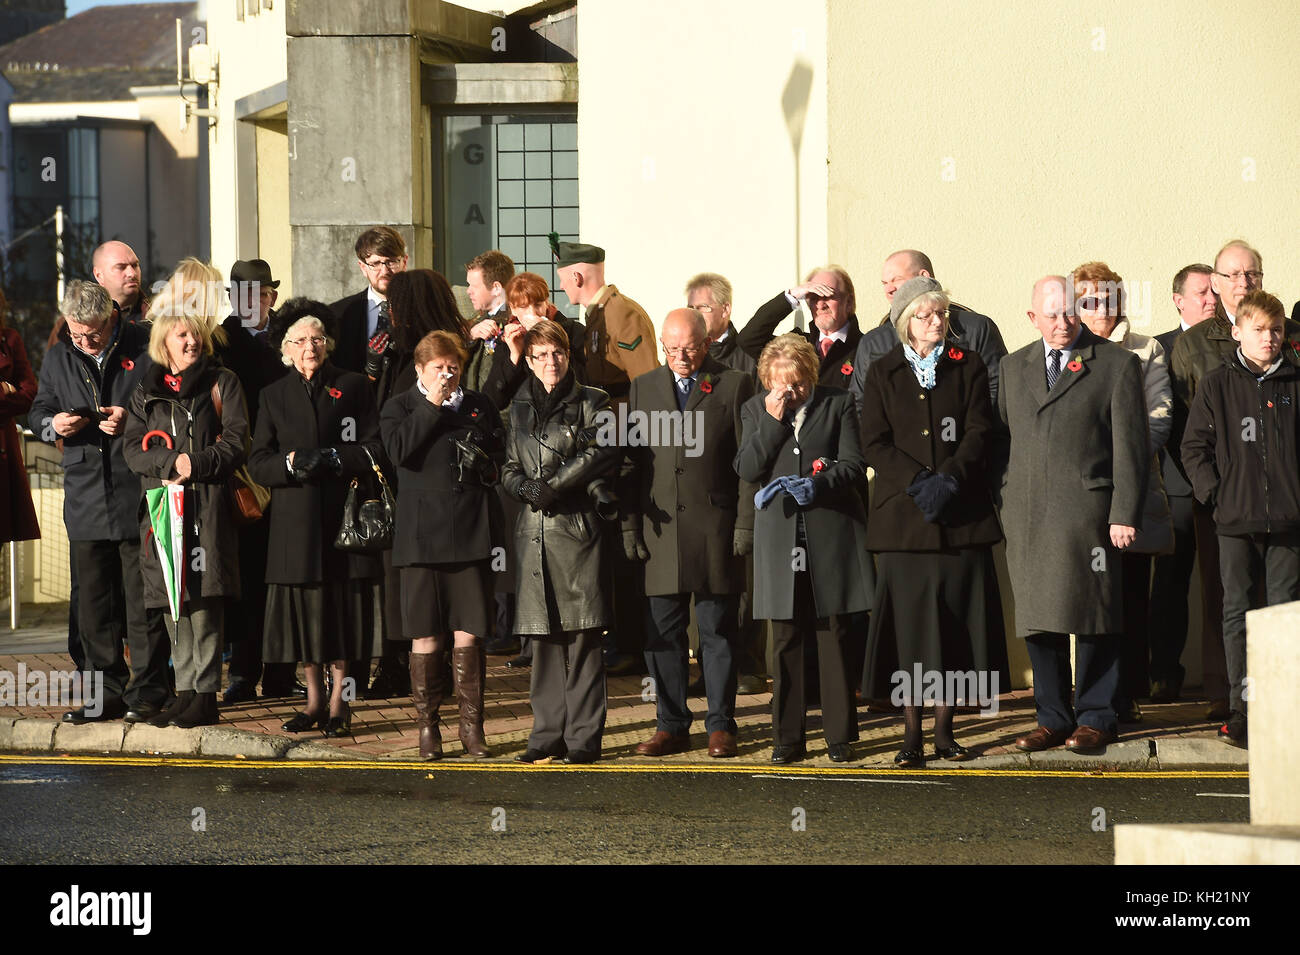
{"points": [[386, 728]]}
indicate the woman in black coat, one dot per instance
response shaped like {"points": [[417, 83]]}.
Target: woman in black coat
{"points": [[800, 445], [554, 464], [317, 430], [447, 445], [926, 425], [420, 301], [187, 425]]}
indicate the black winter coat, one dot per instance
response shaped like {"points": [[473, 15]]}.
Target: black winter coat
{"points": [[445, 514], [835, 370], [216, 447], [843, 578], [305, 517], [1242, 446], [947, 430], [559, 553], [101, 496]]}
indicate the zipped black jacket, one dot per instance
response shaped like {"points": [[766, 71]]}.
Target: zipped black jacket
{"points": [[1241, 449], [100, 493]]}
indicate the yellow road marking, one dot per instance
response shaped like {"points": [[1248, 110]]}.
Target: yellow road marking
{"points": [[745, 769]]}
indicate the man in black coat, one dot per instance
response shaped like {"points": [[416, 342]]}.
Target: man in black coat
{"points": [[968, 329], [692, 521], [247, 352], [1195, 300], [381, 254], [85, 386], [710, 294]]}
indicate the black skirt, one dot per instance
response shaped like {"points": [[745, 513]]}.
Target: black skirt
{"points": [[319, 623], [440, 598], [941, 610]]}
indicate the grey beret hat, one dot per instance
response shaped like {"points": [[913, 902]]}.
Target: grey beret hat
{"points": [[907, 293]]}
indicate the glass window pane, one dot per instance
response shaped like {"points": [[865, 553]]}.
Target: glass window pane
{"points": [[537, 165], [509, 136], [566, 221], [566, 166], [510, 165], [513, 247], [510, 222], [537, 136], [565, 192], [538, 249], [511, 193], [538, 192], [539, 221], [564, 136]]}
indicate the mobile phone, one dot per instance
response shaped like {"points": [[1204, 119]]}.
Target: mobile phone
{"points": [[85, 412]]}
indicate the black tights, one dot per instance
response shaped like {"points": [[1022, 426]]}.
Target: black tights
{"points": [[942, 727]]}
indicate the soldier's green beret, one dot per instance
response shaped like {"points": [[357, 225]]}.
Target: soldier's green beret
{"points": [[574, 253]]}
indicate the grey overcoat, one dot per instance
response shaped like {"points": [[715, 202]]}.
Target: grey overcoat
{"points": [[1079, 461]]}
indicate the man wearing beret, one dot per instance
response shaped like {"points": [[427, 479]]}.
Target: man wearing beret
{"points": [[620, 335], [620, 345]]}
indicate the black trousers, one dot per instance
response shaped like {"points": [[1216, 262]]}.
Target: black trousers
{"points": [[1214, 664], [1170, 581], [74, 611], [1132, 683], [625, 583], [1096, 658], [112, 615], [1243, 562], [716, 617], [246, 614], [789, 709], [568, 692]]}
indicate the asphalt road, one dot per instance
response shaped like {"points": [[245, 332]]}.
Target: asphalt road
{"points": [[77, 813]]}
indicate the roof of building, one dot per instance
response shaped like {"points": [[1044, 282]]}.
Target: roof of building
{"points": [[99, 54]]}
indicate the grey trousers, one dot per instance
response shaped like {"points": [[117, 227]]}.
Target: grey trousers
{"points": [[568, 693], [196, 644]]}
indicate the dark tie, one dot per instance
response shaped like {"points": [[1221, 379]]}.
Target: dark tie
{"points": [[1053, 368], [684, 386], [384, 322], [825, 346]]}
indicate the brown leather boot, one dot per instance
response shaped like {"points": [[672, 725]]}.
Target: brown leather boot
{"points": [[427, 690], [466, 664]]}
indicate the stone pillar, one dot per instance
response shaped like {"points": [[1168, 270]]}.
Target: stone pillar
{"points": [[1273, 669]]}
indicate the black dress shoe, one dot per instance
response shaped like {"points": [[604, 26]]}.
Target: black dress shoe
{"points": [[839, 752], [1233, 732], [141, 713], [954, 752], [109, 711], [534, 756], [910, 757], [581, 757], [339, 726], [520, 662], [301, 722], [784, 755]]}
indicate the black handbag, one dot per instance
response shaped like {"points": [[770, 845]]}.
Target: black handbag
{"points": [[367, 526]]}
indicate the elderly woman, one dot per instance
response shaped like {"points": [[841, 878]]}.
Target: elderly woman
{"points": [[317, 430], [926, 425], [187, 424], [1099, 294], [420, 302], [447, 444], [800, 444], [553, 462]]}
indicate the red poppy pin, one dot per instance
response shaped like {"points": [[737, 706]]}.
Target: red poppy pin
{"points": [[173, 382], [128, 364], [956, 354], [706, 385], [335, 394], [474, 413], [846, 368], [1075, 364]]}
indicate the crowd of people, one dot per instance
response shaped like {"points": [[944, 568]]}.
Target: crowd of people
{"points": [[387, 480]]}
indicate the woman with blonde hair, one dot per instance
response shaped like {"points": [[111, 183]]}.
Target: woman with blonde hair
{"points": [[188, 425], [196, 290]]}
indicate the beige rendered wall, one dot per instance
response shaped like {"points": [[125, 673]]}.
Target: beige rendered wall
{"points": [[686, 161], [252, 58], [1015, 138], [273, 234]]}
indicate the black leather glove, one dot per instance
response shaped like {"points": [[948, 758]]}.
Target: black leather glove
{"points": [[377, 350], [473, 460], [332, 459], [932, 493], [538, 494], [605, 501], [309, 465], [742, 542]]}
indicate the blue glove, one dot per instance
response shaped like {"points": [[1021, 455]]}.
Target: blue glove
{"points": [[765, 494], [801, 489], [931, 493]]}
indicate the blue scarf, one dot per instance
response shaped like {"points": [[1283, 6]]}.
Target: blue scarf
{"points": [[923, 368]]}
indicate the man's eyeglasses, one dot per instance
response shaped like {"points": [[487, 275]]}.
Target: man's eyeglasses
{"points": [[87, 338], [382, 265], [690, 351], [315, 341], [1252, 277]]}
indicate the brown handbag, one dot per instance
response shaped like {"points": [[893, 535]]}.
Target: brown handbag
{"points": [[250, 498]]}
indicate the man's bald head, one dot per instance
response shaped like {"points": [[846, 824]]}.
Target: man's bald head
{"points": [[685, 340], [581, 281], [117, 268], [1052, 311], [901, 266]]}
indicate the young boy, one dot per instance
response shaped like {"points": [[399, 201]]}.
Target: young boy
{"points": [[1240, 452]]}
